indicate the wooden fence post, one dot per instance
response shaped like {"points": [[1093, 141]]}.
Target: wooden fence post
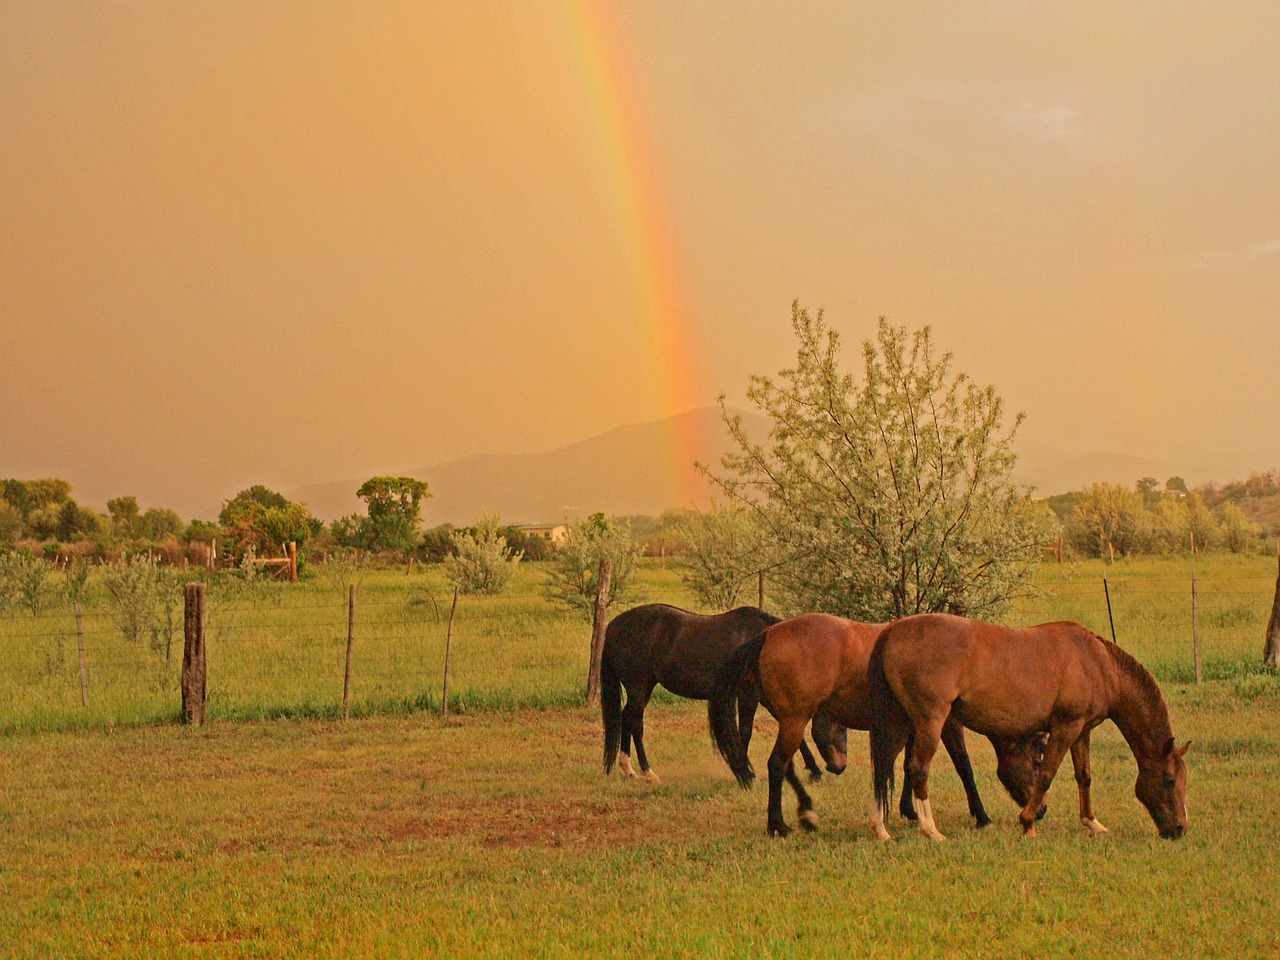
{"points": [[1271, 648], [1195, 624], [597, 631], [195, 680], [448, 653], [293, 561], [84, 658], [351, 636]]}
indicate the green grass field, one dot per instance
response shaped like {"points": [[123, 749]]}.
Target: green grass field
{"points": [[278, 650], [494, 833]]}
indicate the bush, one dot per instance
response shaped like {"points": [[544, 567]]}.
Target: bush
{"points": [[482, 562], [134, 583]]}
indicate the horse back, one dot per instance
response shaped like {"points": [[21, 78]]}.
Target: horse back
{"points": [[682, 650], [999, 680], [818, 661]]}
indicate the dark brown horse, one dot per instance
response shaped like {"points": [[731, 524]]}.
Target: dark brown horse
{"points": [[660, 644], [818, 663], [1057, 678]]}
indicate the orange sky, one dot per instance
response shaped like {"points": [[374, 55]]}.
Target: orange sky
{"points": [[281, 243]]}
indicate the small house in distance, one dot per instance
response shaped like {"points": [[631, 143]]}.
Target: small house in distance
{"points": [[555, 532]]}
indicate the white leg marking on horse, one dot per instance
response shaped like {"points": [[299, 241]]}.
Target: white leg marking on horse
{"points": [[651, 776], [1094, 826], [924, 809], [809, 820], [624, 764], [877, 825]]}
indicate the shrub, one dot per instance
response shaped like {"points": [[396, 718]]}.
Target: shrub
{"points": [[134, 583], [482, 562]]}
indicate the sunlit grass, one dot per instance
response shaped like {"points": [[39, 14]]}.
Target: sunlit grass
{"points": [[278, 650], [496, 835]]}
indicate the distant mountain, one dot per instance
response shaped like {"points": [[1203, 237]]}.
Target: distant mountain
{"points": [[629, 470], [1051, 470]]}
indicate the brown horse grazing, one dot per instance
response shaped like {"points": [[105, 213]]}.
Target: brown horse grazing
{"points": [[1058, 678], [816, 663], [660, 644]]}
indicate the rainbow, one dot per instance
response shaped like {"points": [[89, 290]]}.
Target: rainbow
{"points": [[598, 53]]}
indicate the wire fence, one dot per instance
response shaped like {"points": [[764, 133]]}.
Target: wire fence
{"points": [[286, 655]]}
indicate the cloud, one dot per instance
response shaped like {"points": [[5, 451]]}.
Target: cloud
{"points": [[1050, 122]]}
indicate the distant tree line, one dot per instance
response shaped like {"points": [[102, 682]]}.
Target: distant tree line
{"points": [[1108, 519]]}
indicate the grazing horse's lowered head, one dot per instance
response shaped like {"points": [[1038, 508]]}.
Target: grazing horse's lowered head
{"points": [[1162, 789], [832, 741]]}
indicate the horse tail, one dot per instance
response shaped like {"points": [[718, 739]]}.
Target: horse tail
{"points": [[610, 707], [722, 709], [885, 714]]}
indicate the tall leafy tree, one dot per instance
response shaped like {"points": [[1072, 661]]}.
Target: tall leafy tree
{"points": [[573, 580], [886, 495], [394, 506], [258, 518], [721, 555]]}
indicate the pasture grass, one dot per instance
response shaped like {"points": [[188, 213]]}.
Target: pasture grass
{"points": [[278, 650], [496, 835]]}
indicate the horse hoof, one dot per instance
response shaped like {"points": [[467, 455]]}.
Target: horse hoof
{"points": [[1043, 811], [779, 830], [982, 822], [1094, 827], [809, 820], [815, 776], [651, 776]]}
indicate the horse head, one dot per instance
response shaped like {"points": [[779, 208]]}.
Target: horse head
{"points": [[1162, 789], [1018, 765], [832, 741]]}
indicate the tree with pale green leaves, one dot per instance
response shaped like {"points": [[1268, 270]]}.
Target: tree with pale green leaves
{"points": [[573, 580], [888, 494], [722, 555], [482, 562]]}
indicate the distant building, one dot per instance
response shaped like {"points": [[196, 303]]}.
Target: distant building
{"points": [[555, 532]]}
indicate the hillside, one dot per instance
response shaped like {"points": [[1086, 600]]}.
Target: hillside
{"points": [[623, 471]]}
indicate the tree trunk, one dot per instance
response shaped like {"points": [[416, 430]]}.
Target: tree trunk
{"points": [[1271, 649], [597, 631]]}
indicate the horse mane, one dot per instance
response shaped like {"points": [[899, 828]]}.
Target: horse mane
{"points": [[1137, 675]]}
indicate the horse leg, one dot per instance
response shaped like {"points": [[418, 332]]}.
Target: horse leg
{"points": [[1061, 739], [899, 736], [790, 733], [906, 808], [1084, 778], [953, 740], [624, 741], [808, 819], [928, 732], [633, 722], [810, 762]]}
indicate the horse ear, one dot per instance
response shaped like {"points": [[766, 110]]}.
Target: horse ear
{"points": [[1168, 749], [1185, 747]]}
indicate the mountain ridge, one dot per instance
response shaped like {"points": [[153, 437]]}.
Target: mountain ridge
{"points": [[628, 470]]}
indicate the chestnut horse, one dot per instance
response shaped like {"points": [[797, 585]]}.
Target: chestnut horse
{"points": [[818, 663], [1058, 678], [658, 643]]}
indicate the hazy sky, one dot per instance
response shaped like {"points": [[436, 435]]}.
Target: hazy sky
{"points": [[275, 242]]}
